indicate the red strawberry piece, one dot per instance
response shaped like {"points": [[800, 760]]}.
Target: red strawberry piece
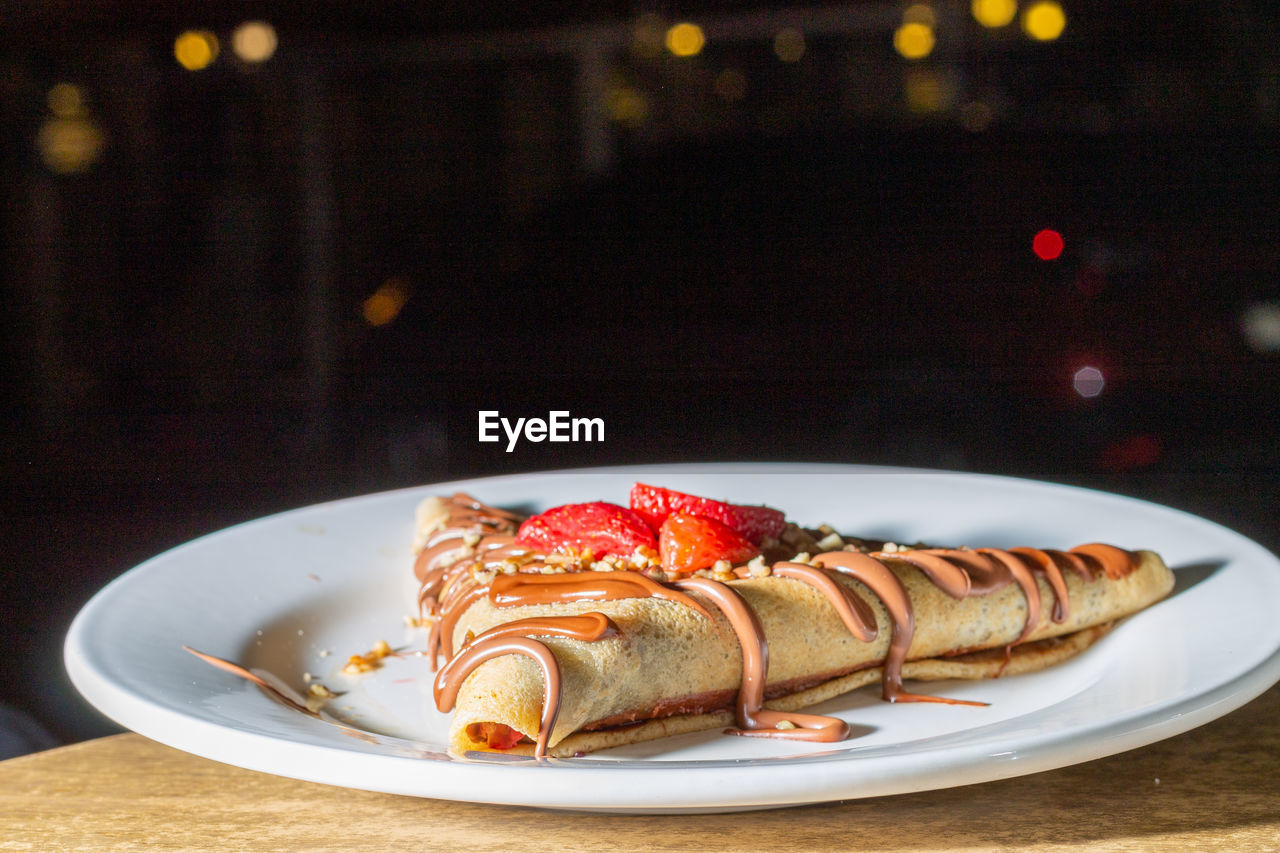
{"points": [[654, 504], [687, 543], [496, 735], [600, 527]]}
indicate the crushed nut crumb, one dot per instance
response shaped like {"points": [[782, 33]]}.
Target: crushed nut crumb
{"points": [[318, 695], [371, 660], [831, 542]]}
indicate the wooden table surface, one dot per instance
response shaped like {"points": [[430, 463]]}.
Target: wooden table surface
{"points": [[1214, 788]]}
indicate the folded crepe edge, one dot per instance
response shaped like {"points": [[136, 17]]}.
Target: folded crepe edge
{"points": [[1107, 599], [983, 664]]}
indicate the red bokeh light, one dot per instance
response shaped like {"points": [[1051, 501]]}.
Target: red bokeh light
{"points": [[1047, 244]]}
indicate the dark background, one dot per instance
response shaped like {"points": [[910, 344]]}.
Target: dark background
{"points": [[828, 259]]}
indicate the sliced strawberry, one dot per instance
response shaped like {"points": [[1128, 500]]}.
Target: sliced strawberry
{"points": [[687, 543], [603, 528], [654, 504], [495, 735]]}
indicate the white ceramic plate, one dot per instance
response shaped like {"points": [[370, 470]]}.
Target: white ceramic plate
{"points": [[299, 592]]}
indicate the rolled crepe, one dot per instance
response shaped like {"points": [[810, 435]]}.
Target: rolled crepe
{"points": [[672, 666]]}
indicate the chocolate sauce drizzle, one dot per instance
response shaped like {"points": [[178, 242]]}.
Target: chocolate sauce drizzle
{"points": [[472, 554]]}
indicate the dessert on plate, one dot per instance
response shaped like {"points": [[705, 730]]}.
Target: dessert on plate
{"points": [[595, 625]]}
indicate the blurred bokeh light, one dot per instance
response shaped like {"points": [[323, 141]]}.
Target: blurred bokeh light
{"points": [[994, 13], [196, 50], [913, 40], [788, 44], [1088, 382], [1260, 323], [1044, 20], [254, 42], [1047, 244], [385, 303], [69, 141], [685, 39]]}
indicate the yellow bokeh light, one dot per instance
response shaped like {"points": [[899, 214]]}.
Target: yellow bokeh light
{"points": [[628, 106], [384, 304], [65, 100], [913, 40], [920, 13], [788, 44], [69, 145], [195, 49], [685, 39], [1044, 21], [254, 41], [994, 13], [924, 92]]}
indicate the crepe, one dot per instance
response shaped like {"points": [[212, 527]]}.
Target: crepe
{"points": [[746, 647]]}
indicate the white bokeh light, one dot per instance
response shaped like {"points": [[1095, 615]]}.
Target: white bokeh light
{"points": [[1260, 324], [1088, 382]]}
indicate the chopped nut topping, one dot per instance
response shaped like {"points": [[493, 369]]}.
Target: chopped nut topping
{"points": [[318, 695], [483, 576], [831, 542], [371, 660], [758, 568], [655, 573]]}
